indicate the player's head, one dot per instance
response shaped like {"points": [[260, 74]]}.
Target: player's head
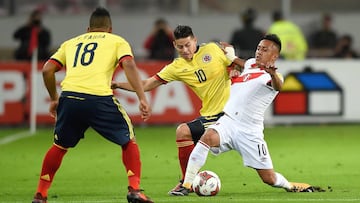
{"points": [[275, 39], [268, 49], [100, 21], [185, 42]]}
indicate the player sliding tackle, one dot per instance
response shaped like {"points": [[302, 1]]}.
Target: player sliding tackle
{"points": [[241, 127]]}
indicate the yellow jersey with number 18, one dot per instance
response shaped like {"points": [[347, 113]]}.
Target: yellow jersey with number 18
{"points": [[206, 74], [90, 60]]}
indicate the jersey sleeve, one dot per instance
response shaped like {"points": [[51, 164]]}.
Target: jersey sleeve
{"points": [[168, 73], [59, 56], [123, 49]]}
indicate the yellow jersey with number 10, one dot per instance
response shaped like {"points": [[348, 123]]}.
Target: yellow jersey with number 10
{"points": [[90, 60], [206, 74]]}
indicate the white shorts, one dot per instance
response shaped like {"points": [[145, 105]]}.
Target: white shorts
{"points": [[250, 145]]}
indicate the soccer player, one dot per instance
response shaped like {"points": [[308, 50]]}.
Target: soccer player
{"points": [[202, 68], [87, 100], [241, 127]]}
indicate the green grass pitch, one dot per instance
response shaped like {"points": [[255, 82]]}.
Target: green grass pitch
{"points": [[325, 155]]}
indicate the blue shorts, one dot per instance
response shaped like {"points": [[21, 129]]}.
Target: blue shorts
{"points": [[198, 126], [77, 112]]}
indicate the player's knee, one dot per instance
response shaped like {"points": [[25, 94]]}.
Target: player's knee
{"points": [[211, 138], [183, 132]]}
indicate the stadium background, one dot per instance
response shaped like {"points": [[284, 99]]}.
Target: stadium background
{"points": [[134, 19], [210, 19]]}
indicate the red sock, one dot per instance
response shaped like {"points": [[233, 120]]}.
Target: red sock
{"points": [[131, 160], [51, 164], [185, 148]]}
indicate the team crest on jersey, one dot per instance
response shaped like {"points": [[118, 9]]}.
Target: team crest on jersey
{"points": [[206, 58]]}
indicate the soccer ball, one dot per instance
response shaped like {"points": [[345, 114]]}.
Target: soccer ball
{"points": [[206, 183]]}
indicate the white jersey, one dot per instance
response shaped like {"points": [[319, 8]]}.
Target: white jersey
{"points": [[250, 95]]}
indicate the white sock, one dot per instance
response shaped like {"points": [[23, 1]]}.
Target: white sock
{"points": [[281, 181], [197, 159]]}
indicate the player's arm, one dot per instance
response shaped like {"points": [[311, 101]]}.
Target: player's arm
{"points": [[276, 80], [238, 63], [48, 72], [148, 84], [229, 51], [135, 82]]}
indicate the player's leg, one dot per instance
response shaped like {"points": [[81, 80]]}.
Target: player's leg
{"points": [[68, 131], [197, 160], [275, 179], [50, 165], [113, 123], [187, 134], [255, 153], [132, 163], [272, 178], [185, 141], [199, 155]]}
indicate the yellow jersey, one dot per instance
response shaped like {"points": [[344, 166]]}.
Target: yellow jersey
{"points": [[90, 60], [206, 74]]}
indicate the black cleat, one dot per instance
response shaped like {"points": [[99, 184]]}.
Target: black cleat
{"points": [[176, 187], [136, 196], [38, 198], [181, 191]]}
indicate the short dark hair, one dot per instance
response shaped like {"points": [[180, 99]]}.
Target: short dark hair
{"points": [[274, 38], [100, 17], [183, 31]]}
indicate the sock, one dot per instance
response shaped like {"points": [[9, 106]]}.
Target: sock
{"points": [[196, 161], [132, 163], [51, 164], [185, 148], [281, 181]]}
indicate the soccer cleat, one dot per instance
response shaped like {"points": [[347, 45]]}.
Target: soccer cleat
{"points": [[304, 187], [299, 187], [181, 191], [177, 187], [38, 198], [136, 196]]}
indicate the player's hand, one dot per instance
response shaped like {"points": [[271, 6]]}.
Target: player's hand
{"points": [[145, 110], [269, 68], [229, 51], [53, 107]]}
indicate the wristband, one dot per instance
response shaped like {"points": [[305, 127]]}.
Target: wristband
{"points": [[230, 53]]}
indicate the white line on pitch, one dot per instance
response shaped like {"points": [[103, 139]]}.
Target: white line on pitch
{"points": [[14, 137]]}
